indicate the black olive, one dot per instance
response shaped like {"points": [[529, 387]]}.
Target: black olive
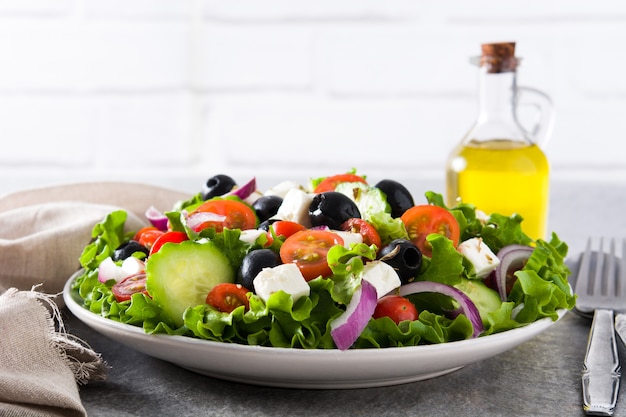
{"points": [[404, 257], [398, 197], [332, 209], [126, 249], [217, 185], [253, 263], [265, 225], [267, 206]]}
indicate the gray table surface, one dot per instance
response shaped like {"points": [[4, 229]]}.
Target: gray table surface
{"points": [[538, 378]]}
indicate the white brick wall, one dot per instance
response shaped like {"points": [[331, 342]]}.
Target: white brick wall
{"points": [[173, 92]]}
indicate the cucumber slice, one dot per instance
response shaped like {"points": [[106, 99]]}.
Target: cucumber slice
{"points": [[368, 199], [181, 275]]}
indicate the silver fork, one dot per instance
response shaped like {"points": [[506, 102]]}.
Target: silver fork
{"points": [[600, 289]]}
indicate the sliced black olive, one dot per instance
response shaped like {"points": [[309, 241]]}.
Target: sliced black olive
{"points": [[398, 197], [332, 209], [404, 257], [217, 185], [253, 263], [267, 206], [126, 249]]}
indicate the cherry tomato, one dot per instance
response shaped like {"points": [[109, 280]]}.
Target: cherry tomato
{"points": [[420, 221], [308, 250], [369, 233], [237, 215], [148, 235], [286, 228], [282, 228], [133, 284], [330, 183], [173, 237], [226, 297], [396, 307]]}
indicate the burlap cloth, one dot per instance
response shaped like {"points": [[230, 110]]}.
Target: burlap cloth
{"points": [[42, 234]]}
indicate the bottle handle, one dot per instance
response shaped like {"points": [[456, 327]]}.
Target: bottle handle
{"points": [[541, 130]]}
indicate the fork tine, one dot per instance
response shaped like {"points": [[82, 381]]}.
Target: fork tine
{"points": [[610, 276], [584, 269], [598, 281], [620, 285]]}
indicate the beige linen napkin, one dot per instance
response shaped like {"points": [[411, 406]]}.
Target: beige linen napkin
{"points": [[39, 366], [42, 235]]}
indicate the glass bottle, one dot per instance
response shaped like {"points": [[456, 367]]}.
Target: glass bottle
{"points": [[498, 166]]}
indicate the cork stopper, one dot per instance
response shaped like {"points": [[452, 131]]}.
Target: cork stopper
{"points": [[499, 57]]}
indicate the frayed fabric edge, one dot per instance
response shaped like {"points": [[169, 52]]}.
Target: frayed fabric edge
{"points": [[86, 364]]}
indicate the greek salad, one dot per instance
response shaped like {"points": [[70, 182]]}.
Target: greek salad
{"points": [[338, 263]]}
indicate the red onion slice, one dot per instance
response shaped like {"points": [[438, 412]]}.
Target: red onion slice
{"points": [[245, 190], [512, 258], [156, 218], [320, 227], [346, 328], [197, 218], [466, 306]]}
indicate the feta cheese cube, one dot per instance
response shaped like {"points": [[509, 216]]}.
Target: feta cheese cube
{"points": [[482, 216], [349, 237], [286, 277], [295, 207], [480, 255], [382, 276]]}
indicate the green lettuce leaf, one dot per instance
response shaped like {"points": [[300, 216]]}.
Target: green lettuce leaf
{"points": [[107, 236], [446, 263], [427, 329], [542, 287], [387, 227]]}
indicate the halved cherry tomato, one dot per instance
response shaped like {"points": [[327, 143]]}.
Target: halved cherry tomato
{"points": [[227, 296], [148, 235], [308, 250], [133, 284], [330, 183], [369, 233], [420, 221], [173, 237], [286, 228], [282, 228], [237, 215], [396, 307]]}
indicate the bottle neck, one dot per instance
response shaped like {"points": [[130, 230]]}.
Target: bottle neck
{"points": [[497, 115], [497, 96]]}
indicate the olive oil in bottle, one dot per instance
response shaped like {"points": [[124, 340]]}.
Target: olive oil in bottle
{"points": [[502, 176], [498, 167]]}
